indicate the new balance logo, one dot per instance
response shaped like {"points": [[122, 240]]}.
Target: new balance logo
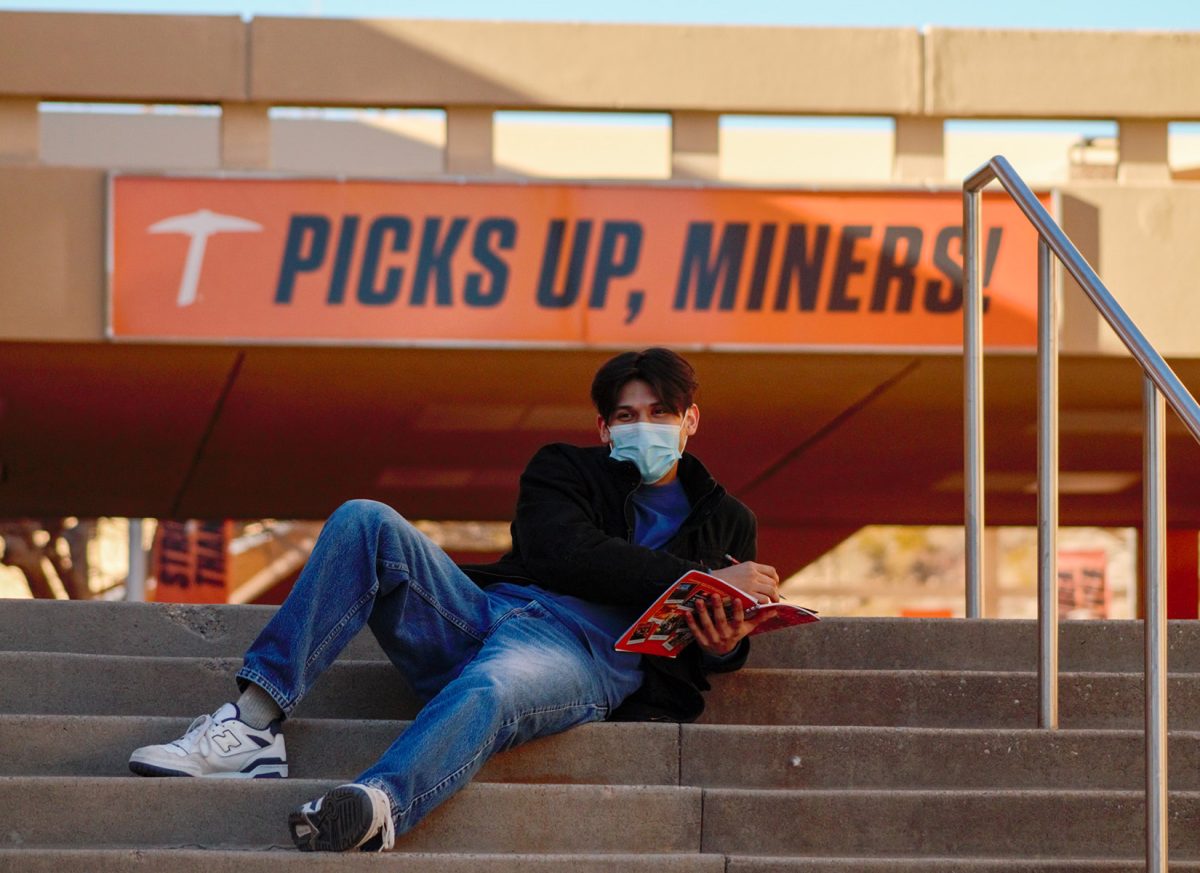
{"points": [[226, 740]]}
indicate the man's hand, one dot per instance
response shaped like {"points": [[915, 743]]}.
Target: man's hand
{"points": [[717, 634], [760, 581]]}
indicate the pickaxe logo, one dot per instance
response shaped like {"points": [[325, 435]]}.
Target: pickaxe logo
{"points": [[199, 226]]}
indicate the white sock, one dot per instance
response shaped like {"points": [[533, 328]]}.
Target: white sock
{"points": [[258, 708]]}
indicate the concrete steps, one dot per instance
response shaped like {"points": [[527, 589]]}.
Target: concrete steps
{"points": [[706, 756], [177, 630], [896, 745], [209, 813], [286, 861], [79, 684]]}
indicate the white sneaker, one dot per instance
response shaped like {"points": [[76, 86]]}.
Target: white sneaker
{"points": [[348, 817], [219, 745]]}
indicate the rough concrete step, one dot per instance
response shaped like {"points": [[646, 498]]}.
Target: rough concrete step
{"points": [[46, 683], [933, 698], [171, 629], [725, 756], [597, 754], [742, 864], [875, 643], [942, 824], [222, 814], [770, 757], [200, 861], [283, 861]]}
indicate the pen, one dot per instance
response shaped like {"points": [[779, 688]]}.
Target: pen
{"points": [[732, 560]]}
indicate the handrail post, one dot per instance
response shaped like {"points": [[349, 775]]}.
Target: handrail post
{"points": [[1160, 385], [1047, 536], [1153, 541], [973, 402]]}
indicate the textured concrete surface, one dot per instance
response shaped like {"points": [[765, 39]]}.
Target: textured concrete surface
{"points": [[936, 698], [943, 865], [1047, 824], [953, 644], [727, 756], [209, 813], [718, 756], [606, 753], [834, 753], [836, 643], [174, 629], [45, 682], [132, 685], [188, 861]]}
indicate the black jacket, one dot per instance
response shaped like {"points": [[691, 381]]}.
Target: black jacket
{"points": [[572, 534]]}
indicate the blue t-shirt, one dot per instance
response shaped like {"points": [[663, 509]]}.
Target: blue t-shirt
{"points": [[658, 513]]}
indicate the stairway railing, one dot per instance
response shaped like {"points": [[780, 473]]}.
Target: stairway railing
{"points": [[1158, 381]]}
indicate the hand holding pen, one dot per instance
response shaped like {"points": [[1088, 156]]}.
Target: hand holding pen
{"points": [[732, 560], [760, 581]]}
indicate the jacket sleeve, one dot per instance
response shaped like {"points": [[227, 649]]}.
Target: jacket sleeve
{"points": [[566, 549], [746, 547]]}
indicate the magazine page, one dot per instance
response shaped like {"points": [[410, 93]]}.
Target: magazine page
{"points": [[662, 629]]}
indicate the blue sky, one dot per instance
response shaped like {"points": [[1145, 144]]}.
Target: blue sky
{"points": [[1151, 14]]}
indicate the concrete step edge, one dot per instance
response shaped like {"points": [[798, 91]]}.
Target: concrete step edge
{"points": [[612, 753], [229, 661], [246, 814], [251, 861], [169, 721], [318, 786], [919, 864]]}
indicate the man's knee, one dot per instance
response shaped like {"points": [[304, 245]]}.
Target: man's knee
{"points": [[366, 513]]}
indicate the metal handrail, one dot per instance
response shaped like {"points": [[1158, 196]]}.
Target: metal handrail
{"points": [[1159, 383]]}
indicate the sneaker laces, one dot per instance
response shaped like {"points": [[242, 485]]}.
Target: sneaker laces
{"points": [[196, 734], [381, 817], [388, 834]]}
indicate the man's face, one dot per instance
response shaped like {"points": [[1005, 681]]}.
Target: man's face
{"points": [[636, 401]]}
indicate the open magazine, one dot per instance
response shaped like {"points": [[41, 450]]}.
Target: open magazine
{"points": [[662, 629]]}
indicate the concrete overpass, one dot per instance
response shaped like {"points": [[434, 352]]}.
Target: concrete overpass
{"points": [[819, 440]]}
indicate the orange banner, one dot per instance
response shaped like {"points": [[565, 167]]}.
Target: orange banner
{"points": [[190, 563], [613, 265]]}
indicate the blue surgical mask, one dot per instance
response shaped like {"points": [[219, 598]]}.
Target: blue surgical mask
{"points": [[653, 447]]}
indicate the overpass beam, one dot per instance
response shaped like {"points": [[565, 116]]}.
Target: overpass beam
{"points": [[19, 130], [695, 145]]}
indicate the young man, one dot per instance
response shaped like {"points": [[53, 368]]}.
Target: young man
{"points": [[506, 652]]}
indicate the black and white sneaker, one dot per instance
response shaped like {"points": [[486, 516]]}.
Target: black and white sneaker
{"points": [[218, 745], [348, 817]]}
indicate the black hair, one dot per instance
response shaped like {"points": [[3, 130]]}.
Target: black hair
{"points": [[669, 374]]}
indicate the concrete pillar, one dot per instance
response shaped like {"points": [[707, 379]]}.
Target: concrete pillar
{"points": [[245, 136], [1142, 151], [470, 141], [695, 145], [19, 130], [919, 150]]}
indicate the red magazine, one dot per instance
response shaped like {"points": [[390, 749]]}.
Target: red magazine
{"points": [[662, 629]]}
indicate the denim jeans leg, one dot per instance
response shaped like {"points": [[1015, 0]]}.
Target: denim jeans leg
{"points": [[531, 678], [369, 564]]}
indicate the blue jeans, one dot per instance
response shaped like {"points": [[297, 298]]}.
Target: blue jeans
{"points": [[495, 671]]}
